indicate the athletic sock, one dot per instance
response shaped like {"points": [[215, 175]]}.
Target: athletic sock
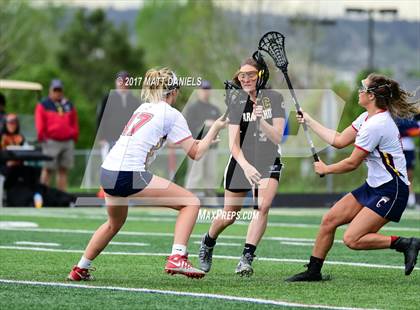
{"points": [[179, 249], [249, 248], [209, 241], [394, 239], [84, 263], [315, 264]]}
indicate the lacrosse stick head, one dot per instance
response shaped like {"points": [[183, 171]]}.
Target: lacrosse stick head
{"points": [[232, 91], [273, 44], [263, 72]]}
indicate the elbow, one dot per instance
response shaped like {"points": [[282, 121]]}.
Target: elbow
{"points": [[338, 144], [195, 154]]}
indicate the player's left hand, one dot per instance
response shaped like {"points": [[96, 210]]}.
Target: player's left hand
{"points": [[258, 110], [221, 123], [320, 168]]}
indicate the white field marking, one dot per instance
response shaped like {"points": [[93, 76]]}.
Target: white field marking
{"points": [[178, 293], [266, 259], [154, 234], [297, 243], [129, 243], [171, 219], [37, 243], [222, 243], [10, 224]]}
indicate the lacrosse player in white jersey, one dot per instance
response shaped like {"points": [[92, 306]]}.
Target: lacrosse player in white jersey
{"points": [[125, 174], [383, 197]]}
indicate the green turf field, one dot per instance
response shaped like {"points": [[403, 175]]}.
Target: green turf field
{"points": [[130, 273]]}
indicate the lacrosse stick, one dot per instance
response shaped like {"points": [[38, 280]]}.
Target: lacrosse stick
{"points": [[262, 78], [232, 93], [273, 44]]}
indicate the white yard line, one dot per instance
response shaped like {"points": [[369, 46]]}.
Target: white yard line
{"points": [[178, 293], [15, 224], [37, 243], [267, 259], [152, 234], [222, 243], [297, 243], [171, 219], [129, 243]]}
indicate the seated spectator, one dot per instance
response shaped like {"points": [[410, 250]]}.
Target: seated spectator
{"points": [[10, 135]]}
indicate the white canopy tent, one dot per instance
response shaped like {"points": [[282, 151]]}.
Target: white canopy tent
{"points": [[21, 85]]}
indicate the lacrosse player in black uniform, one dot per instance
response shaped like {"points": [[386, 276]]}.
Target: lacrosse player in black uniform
{"points": [[254, 160]]}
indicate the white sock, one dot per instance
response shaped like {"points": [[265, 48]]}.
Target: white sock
{"points": [[179, 249], [84, 263], [411, 199]]}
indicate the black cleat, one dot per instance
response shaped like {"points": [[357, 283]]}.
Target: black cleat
{"points": [[305, 276], [308, 276], [410, 247]]}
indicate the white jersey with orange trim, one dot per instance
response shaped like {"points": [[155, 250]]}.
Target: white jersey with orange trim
{"points": [[145, 133], [379, 137]]}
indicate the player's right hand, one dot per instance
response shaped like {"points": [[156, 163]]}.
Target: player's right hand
{"points": [[303, 117], [252, 174]]}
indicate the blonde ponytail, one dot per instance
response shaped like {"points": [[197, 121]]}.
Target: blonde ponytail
{"points": [[157, 84]]}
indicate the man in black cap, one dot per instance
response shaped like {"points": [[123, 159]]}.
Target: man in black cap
{"points": [[200, 115], [114, 112]]}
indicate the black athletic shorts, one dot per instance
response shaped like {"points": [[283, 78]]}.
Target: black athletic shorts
{"points": [[235, 180], [124, 183]]}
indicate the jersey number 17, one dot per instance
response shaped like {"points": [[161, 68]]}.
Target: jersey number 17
{"points": [[135, 123]]}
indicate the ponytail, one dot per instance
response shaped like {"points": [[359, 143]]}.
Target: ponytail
{"points": [[389, 96], [157, 84]]}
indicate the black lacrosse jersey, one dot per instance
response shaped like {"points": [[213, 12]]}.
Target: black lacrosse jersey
{"points": [[257, 145]]}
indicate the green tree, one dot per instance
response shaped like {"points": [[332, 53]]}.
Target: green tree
{"points": [[27, 35], [93, 50], [194, 38]]}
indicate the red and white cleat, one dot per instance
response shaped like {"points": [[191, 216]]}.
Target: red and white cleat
{"points": [[179, 264], [80, 274]]}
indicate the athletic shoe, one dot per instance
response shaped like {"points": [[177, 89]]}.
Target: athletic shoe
{"points": [[179, 264], [410, 247], [307, 276], [81, 274], [244, 267], [205, 256]]}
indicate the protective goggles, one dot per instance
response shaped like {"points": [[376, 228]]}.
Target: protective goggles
{"points": [[363, 88], [173, 84], [252, 75]]}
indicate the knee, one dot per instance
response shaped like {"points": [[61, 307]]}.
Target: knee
{"points": [[227, 217], [191, 200], [229, 221], [328, 222], [114, 226], [195, 201], [351, 241], [263, 210]]}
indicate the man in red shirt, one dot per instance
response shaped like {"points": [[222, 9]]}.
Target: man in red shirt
{"points": [[58, 129]]}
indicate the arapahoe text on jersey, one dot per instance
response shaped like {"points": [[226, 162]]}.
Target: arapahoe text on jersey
{"points": [[250, 116]]}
